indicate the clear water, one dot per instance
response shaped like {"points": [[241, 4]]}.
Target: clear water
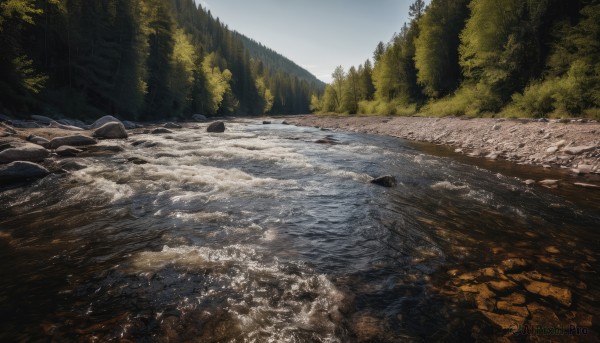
{"points": [[261, 235]]}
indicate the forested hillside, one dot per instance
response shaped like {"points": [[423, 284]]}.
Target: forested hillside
{"points": [[137, 59], [480, 57], [275, 61]]}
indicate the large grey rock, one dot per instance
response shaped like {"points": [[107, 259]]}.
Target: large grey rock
{"points": [[199, 118], [385, 181], [106, 119], [28, 152], [42, 119], [217, 126], [77, 140], [111, 130], [20, 170]]}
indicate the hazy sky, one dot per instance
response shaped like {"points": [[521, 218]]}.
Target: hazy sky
{"points": [[316, 34]]}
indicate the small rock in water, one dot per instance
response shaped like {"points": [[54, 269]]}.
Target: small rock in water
{"points": [[199, 118], [266, 122], [216, 127], [285, 123], [172, 126], [549, 183], [385, 181], [552, 250], [129, 125], [529, 182], [160, 130], [21, 170], [28, 152], [111, 130], [67, 151], [137, 160]]}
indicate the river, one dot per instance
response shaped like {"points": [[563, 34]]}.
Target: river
{"points": [[262, 235]]}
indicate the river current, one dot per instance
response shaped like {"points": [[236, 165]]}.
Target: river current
{"points": [[260, 234]]}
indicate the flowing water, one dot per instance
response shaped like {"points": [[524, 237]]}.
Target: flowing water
{"points": [[261, 235]]}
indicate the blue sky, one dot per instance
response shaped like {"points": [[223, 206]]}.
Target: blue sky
{"points": [[316, 34]]}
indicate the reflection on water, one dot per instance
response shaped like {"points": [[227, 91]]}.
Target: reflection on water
{"points": [[262, 235]]}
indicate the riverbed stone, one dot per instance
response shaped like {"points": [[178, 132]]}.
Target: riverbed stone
{"points": [[106, 119], [266, 122], [552, 149], [385, 181], [561, 295], [216, 127], [28, 152], [577, 150], [22, 170], [37, 140], [552, 250], [111, 130], [67, 151], [73, 166], [129, 125], [76, 140], [502, 286], [41, 119], [549, 183], [514, 299]]}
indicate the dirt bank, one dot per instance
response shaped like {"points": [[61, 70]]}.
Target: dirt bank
{"points": [[553, 144]]}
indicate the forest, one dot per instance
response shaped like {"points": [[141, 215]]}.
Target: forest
{"points": [[513, 58], [138, 59]]}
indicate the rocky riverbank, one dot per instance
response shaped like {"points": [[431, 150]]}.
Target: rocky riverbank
{"points": [[567, 144], [34, 149]]}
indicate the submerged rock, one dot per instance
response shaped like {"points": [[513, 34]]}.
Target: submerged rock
{"points": [[78, 140], [73, 166], [20, 170], [266, 122], [385, 181], [28, 152], [514, 265], [216, 127], [112, 130], [37, 140]]}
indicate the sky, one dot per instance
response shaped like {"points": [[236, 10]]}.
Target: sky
{"points": [[316, 34]]}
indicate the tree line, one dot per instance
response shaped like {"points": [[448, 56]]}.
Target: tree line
{"points": [[137, 59], [480, 57]]}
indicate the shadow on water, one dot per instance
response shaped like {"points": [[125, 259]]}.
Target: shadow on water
{"points": [[262, 234]]}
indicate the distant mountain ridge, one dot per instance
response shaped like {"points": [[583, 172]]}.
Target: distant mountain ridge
{"points": [[275, 61]]}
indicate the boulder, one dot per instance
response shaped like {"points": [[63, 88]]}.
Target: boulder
{"points": [[111, 130], [160, 130], [64, 127], [385, 181], [172, 126], [77, 140], [67, 151], [28, 152], [37, 140], [20, 170], [199, 118], [217, 126], [106, 119], [42, 119]]}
